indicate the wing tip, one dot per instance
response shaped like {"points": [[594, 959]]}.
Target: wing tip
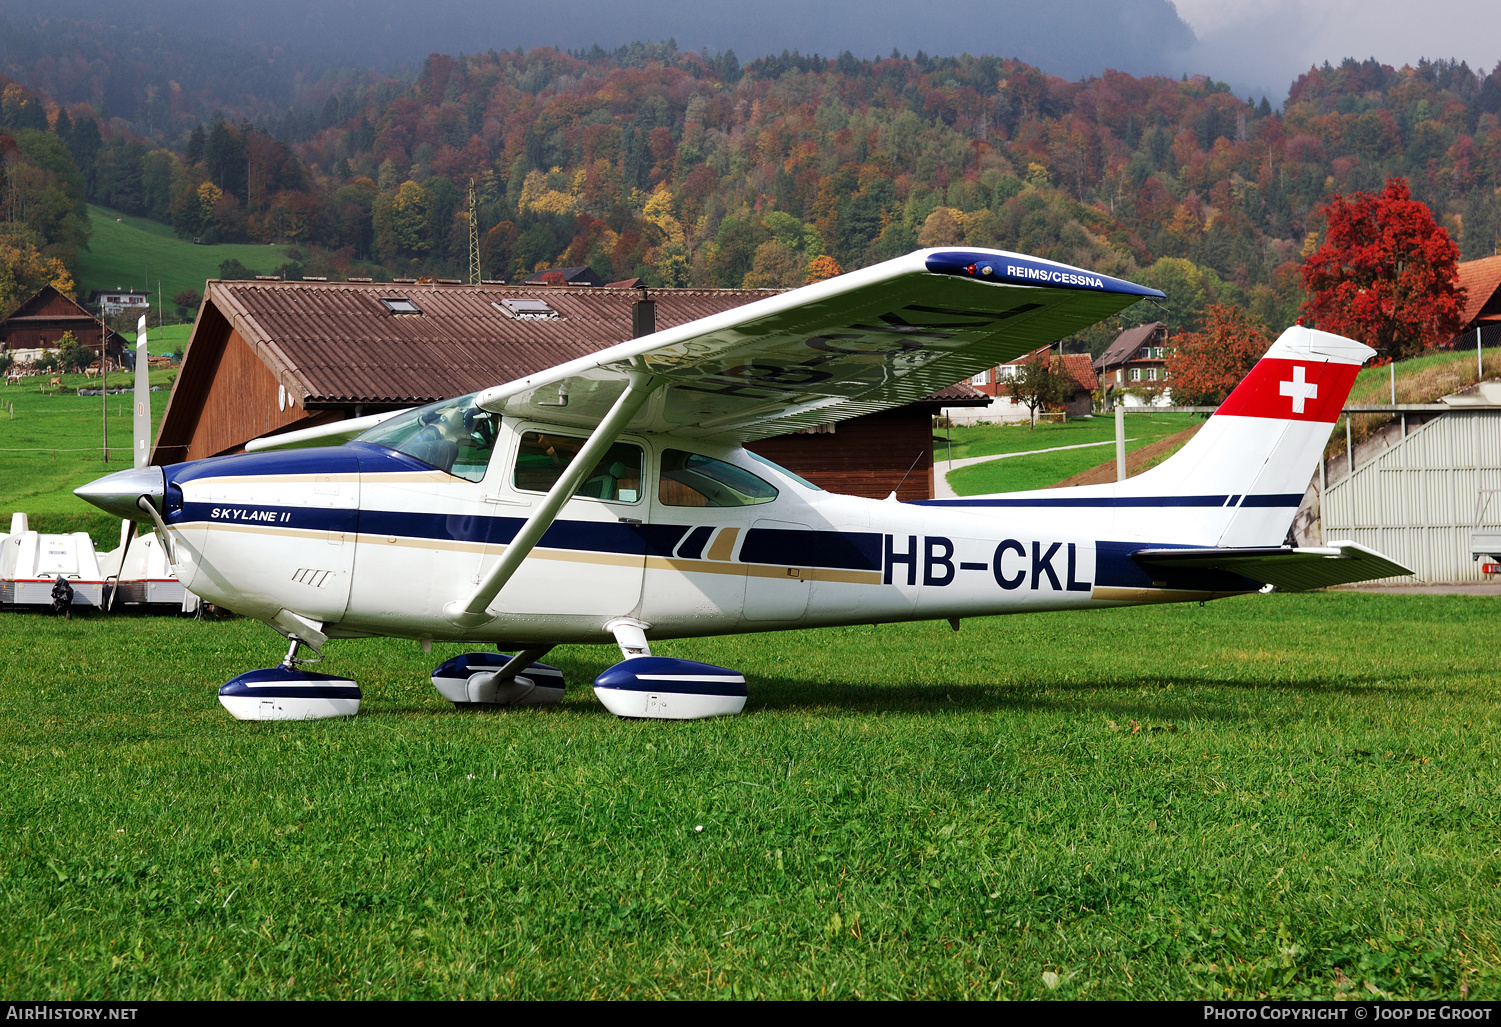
{"points": [[1001, 266]]}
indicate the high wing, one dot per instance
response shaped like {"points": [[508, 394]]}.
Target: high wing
{"points": [[855, 344]]}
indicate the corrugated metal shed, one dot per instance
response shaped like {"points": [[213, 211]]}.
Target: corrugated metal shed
{"points": [[1416, 502]]}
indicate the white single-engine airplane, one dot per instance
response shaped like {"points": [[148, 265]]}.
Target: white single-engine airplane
{"points": [[611, 499]]}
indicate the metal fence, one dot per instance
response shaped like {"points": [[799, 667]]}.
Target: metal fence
{"points": [[1417, 502]]}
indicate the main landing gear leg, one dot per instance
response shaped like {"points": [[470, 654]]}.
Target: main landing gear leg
{"points": [[630, 635]]}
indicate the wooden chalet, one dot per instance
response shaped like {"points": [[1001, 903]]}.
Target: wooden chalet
{"points": [[1481, 281], [267, 357], [40, 323], [1138, 356], [120, 300]]}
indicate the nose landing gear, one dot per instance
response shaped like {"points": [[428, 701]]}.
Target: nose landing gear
{"points": [[287, 692]]}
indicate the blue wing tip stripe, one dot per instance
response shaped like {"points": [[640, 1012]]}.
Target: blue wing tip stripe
{"points": [[1009, 267]]}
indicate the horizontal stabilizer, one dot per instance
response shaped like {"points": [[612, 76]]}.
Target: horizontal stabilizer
{"points": [[334, 434], [1290, 570]]}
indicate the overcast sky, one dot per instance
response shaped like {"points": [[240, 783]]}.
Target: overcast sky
{"points": [[1265, 44], [1257, 46]]}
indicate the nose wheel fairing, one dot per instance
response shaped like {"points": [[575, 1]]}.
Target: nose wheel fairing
{"points": [[290, 693]]}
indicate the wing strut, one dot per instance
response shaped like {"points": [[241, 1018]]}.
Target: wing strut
{"points": [[469, 612]]}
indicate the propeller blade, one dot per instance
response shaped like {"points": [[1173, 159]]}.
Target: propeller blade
{"points": [[141, 423]]}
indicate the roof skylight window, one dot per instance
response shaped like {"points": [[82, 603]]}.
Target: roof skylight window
{"points": [[400, 305], [526, 310]]}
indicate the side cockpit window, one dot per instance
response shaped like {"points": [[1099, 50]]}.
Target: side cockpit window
{"points": [[454, 436], [543, 456], [690, 479]]}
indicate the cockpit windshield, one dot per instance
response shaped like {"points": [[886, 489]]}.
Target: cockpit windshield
{"points": [[453, 435]]}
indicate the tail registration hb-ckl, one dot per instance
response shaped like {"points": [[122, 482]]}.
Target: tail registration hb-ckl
{"points": [[611, 499]]}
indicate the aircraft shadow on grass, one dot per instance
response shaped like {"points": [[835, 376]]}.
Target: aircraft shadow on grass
{"points": [[1111, 698], [1114, 699]]}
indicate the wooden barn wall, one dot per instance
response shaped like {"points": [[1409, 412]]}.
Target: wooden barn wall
{"points": [[865, 456], [223, 397], [240, 404], [49, 336]]}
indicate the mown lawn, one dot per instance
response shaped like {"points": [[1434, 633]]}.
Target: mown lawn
{"points": [[1274, 795], [987, 439], [1039, 470]]}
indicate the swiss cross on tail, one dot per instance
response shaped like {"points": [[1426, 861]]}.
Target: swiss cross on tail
{"points": [[1301, 391], [1297, 390]]}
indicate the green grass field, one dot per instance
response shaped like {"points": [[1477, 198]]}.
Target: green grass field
{"points": [[131, 252], [1044, 469], [1279, 796], [164, 339], [52, 441]]}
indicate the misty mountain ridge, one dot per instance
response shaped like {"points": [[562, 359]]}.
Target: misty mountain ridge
{"points": [[1071, 38]]}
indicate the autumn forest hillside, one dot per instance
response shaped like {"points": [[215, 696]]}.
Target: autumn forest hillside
{"points": [[682, 168]]}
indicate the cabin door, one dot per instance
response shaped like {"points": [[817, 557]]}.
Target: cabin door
{"points": [[591, 562]]}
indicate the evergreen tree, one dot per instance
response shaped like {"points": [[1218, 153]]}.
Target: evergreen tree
{"points": [[197, 146]]}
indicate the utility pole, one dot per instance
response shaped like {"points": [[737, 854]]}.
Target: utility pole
{"points": [[1120, 436], [104, 376]]}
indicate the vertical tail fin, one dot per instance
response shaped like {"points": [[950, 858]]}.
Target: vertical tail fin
{"points": [[1260, 449]]}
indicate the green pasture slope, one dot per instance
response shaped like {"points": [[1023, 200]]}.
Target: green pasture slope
{"points": [[132, 252], [1272, 796], [51, 441]]}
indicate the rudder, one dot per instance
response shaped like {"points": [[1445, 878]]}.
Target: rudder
{"points": [[1262, 446]]}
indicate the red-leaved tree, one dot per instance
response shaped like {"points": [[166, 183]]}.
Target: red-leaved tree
{"points": [[1205, 366], [1385, 273]]}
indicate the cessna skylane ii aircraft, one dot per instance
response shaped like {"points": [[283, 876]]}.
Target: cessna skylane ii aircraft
{"points": [[611, 499]]}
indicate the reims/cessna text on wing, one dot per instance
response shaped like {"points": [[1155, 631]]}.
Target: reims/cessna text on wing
{"points": [[611, 499]]}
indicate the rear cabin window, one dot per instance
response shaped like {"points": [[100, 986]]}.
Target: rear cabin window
{"points": [[453, 435], [689, 479], [543, 456]]}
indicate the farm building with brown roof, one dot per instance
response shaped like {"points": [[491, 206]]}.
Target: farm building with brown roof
{"points": [[40, 323], [1481, 281], [992, 382], [270, 357]]}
